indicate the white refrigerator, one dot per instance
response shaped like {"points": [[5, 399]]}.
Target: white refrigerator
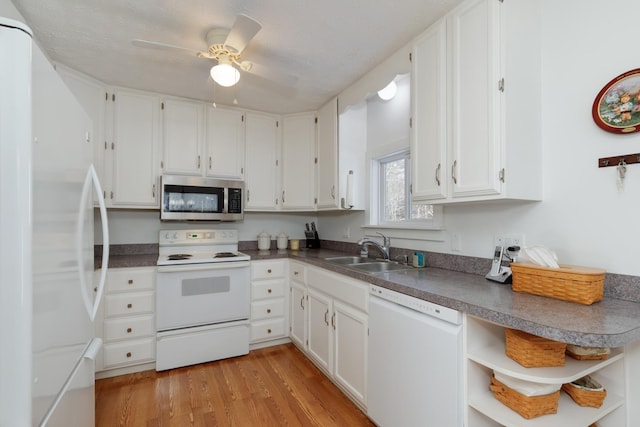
{"points": [[47, 296]]}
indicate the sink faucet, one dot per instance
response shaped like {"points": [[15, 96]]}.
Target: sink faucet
{"points": [[383, 248]]}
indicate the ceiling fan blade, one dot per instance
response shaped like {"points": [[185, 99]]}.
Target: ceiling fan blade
{"points": [[243, 30], [278, 77], [162, 46]]}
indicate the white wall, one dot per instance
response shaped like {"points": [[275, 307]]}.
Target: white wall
{"points": [[582, 216], [142, 226]]}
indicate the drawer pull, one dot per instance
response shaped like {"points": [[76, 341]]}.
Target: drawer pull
{"points": [[269, 290], [268, 310], [130, 281], [129, 305], [128, 354], [268, 331], [295, 273], [269, 271], [129, 330]]}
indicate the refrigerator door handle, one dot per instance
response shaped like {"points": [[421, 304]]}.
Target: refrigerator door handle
{"points": [[92, 349], [92, 177]]}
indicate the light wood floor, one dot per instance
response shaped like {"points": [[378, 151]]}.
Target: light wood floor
{"points": [[275, 386]]}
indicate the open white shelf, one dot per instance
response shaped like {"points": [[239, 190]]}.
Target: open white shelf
{"points": [[494, 357], [569, 412]]}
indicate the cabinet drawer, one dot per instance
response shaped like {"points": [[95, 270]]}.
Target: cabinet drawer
{"points": [[267, 289], [267, 309], [267, 269], [129, 327], [129, 352], [128, 303], [130, 279], [297, 272], [264, 330]]}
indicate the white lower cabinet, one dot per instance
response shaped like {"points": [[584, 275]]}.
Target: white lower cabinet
{"points": [[298, 304], [486, 353], [268, 300], [335, 310], [126, 321]]}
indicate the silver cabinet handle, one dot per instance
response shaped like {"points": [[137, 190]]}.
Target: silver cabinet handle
{"points": [[153, 191], [248, 195], [198, 162], [301, 302], [438, 174], [209, 162], [453, 171], [283, 196], [325, 317], [333, 192], [333, 320]]}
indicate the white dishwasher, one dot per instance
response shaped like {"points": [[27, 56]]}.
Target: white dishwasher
{"points": [[415, 362]]}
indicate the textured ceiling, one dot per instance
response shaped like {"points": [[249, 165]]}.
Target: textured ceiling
{"points": [[325, 44]]}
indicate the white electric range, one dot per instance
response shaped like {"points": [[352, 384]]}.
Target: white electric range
{"points": [[203, 297]]}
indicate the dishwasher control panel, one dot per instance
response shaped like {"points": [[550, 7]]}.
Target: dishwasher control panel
{"points": [[443, 313]]}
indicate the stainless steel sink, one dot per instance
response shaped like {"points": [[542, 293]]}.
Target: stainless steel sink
{"points": [[367, 265], [347, 260], [379, 267]]}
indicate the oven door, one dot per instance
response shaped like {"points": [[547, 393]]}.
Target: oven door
{"points": [[202, 294]]}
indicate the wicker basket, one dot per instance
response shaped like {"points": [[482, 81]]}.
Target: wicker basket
{"points": [[583, 285], [583, 397], [527, 406], [532, 351], [583, 353]]}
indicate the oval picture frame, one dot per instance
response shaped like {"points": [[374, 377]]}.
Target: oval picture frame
{"points": [[616, 109]]}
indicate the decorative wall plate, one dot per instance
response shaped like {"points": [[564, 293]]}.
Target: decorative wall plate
{"points": [[616, 109]]}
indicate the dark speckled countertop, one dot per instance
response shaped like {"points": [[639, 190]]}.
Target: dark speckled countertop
{"points": [[609, 323]]}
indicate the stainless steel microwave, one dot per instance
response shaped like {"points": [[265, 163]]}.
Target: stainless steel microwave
{"points": [[187, 198]]}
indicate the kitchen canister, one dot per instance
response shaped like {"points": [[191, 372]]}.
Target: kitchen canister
{"points": [[281, 241], [264, 241], [295, 244]]}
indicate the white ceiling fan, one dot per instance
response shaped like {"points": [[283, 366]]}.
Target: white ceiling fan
{"points": [[226, 46]]}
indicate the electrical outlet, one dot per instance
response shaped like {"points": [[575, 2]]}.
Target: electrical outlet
{"points": [[506, 240], [346, 233], [456, 242]]}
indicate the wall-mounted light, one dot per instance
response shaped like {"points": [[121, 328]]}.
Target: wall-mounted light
{"points": [[388, 92], [224, 73]]}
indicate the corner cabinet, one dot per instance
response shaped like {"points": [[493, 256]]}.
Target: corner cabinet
{"points": [[327, 146], [133, 144], [478, 140], [486, 353], [262, 136], [298, 162]]}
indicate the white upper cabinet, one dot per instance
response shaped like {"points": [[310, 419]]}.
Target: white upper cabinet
{"points": [[327, 145], [298, 161], [135, 141], [429, 127], [183, 137], [225, 143], [262, 161], [488, 144]]}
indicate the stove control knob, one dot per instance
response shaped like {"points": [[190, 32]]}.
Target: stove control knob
{"points": [[167, 236], [175, 235]]}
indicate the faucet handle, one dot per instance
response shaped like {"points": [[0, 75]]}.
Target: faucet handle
{"points": [[386, 239]]}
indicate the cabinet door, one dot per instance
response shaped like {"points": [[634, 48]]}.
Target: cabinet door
{"points": [[320, 335], [298, 162], [475, 99], [350, 362], [183, 128], [135, 142], [327, 141], [298, 333], [429, 136], [261, 160], [225, 143]]}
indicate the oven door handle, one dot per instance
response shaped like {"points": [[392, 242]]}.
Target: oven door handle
{"points": [[201, 267]]}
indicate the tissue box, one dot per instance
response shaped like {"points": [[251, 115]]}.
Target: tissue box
{"points": [[583, 285]]}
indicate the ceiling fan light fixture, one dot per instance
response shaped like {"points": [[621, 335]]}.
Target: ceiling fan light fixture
{"points": [[388, 92], [225, 74]]}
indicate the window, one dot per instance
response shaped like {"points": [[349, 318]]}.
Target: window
{"points": [[394, 204]]}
